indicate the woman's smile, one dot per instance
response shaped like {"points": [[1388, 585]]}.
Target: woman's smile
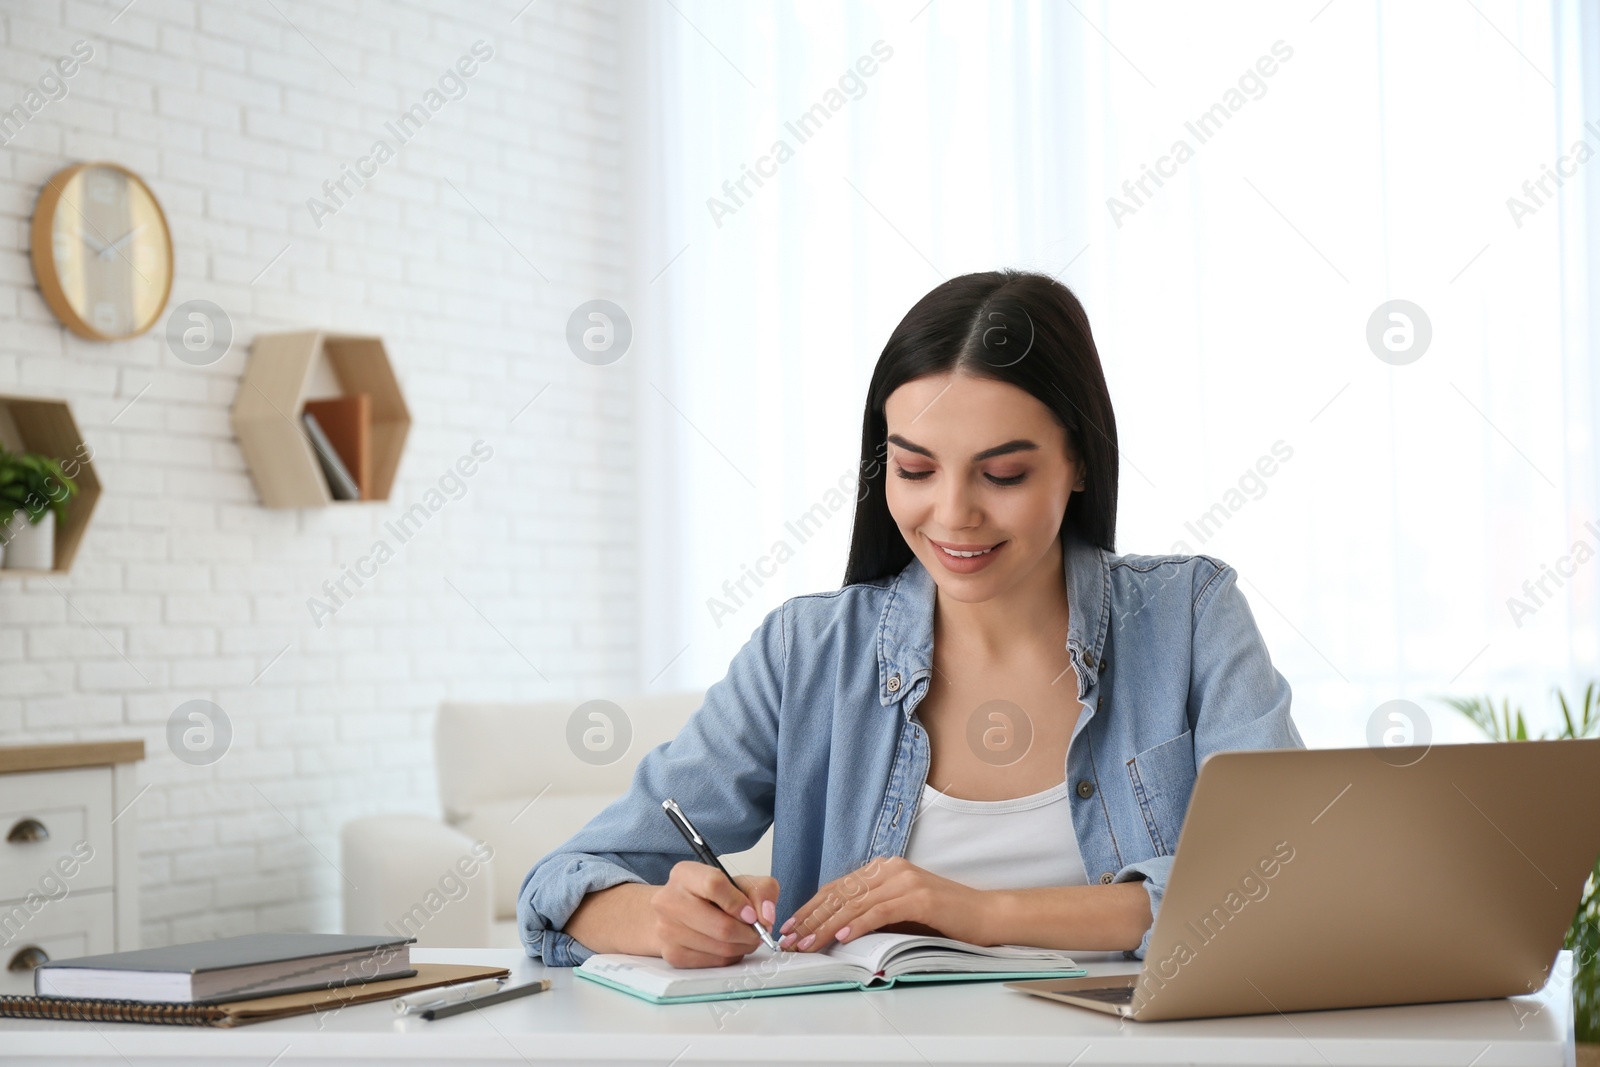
{"points": [[966, 558]]}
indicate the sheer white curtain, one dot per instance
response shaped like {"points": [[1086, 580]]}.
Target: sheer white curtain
{"points": [[1335, 156]]}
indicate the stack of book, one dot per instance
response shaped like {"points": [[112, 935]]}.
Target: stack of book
{"points": [[340, 430], [233, 980]]}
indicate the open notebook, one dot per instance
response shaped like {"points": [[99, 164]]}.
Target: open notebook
{"points": [[872, 961]]}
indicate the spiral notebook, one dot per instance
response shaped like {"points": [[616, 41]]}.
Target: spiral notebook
{"points": [[240, 1012], [872, 961]]}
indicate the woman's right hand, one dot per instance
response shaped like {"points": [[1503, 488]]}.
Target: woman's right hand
{"points": [[699, 915]]}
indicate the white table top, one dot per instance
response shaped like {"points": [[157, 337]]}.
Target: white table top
{"points": [[969, 1023]]}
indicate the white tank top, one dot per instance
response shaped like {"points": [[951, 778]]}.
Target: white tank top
{"points": [[1023, 843]]}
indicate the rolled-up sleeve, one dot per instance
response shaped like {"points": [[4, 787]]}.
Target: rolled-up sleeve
{"points": [[1153, 873], [721, 767], [1237, 700]]}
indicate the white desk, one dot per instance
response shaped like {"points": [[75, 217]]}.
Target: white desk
{"points": [[579, 1022]]}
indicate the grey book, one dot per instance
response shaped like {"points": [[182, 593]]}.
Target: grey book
{"points": [[340, 483], [228, 968]]}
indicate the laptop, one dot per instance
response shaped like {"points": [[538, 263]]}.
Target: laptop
{"points": [[1308, 879]]}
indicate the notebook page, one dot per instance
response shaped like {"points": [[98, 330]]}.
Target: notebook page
{"points": [[873, 951], [870, 950], [761, 969]]}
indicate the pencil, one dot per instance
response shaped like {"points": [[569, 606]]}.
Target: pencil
{"points": [[493, 998]]}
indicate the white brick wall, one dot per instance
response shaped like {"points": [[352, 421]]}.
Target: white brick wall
{"points": [[185, 587]]}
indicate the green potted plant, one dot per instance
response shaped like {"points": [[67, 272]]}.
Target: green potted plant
{"points": [[1507, 724], [34, 492]]}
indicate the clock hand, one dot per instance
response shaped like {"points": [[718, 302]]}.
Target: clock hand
{"points": [[99, 248], [105, 253]]}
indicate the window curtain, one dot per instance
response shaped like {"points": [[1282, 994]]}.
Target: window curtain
{"points": [[1337, 260]]}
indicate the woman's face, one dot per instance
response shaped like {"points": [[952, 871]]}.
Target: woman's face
{"points": [[977, 464]]}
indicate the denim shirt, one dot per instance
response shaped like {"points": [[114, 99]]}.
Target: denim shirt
{"points": [[814, 731]]}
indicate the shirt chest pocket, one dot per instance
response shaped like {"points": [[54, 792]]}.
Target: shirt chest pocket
{"points": [[1162, 779]]}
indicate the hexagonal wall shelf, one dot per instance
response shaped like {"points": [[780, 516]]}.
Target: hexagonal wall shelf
{"points": [[287, 369], [37, 424]]}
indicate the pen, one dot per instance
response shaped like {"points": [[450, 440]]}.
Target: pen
{"points": [[703, 850], [509, 993], [413, 1003]]}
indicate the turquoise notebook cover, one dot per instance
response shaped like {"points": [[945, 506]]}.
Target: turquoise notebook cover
{"points": [[876, 983]]}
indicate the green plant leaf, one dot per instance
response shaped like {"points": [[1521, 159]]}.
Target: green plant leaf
{"points": [[34, 484]]}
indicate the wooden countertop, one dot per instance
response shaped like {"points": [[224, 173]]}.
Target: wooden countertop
{"points": [[15, 758]]}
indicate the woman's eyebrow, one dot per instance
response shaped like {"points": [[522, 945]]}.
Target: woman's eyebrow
{"points": [[1018, 445]]}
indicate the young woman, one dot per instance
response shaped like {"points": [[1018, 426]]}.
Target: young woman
{"points": [[990, 732]]}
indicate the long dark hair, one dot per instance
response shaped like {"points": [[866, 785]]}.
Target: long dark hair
{"points": [[1018, 327]]}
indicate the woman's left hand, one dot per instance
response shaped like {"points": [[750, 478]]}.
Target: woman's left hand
{"points": [[889, 894]]}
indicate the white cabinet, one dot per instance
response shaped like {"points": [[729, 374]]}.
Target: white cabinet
{"points": [[68, 855]]}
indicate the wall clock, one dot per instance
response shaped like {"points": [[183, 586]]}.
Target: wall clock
{"points": [[102, 253]]}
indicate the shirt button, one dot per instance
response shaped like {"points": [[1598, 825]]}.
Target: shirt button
{"points": [[1086, 789], [1088, 657], [894, 683], [1106, 878]]}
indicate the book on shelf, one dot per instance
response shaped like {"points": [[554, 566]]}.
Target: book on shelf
{"points": [[340, 482], [346, 421], [871, 961], [227, 968]]}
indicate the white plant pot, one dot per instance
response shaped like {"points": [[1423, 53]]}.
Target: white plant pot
{"points": [[32, 547]]}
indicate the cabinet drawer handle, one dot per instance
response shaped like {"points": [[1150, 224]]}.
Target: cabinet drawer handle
{"points": [[28, 830], [27, 958]]}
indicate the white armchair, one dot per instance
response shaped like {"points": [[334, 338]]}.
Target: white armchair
{"points": [[511, 791]]}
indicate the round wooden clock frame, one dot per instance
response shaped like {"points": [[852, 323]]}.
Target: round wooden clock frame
{"points": [[44, 258]]}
